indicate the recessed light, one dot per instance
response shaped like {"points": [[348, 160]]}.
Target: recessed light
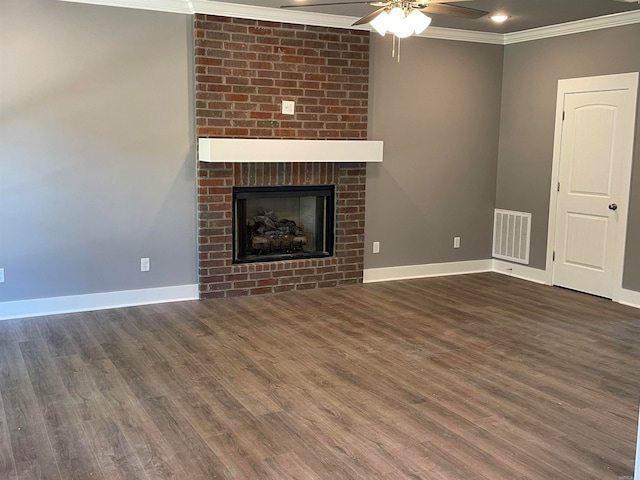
{"points": [[499, 18]]}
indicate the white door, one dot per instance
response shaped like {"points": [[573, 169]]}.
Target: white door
{"points": [[595, 158]]}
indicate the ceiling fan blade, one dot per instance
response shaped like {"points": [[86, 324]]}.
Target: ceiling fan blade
{"points": [[453, 11], [425, 3], [324, 4], [369, 17]]}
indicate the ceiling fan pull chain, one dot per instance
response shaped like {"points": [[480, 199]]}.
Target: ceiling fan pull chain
{"points": [[399, 40], [393, 46]]}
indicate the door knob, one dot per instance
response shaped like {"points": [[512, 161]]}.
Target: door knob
{"points": [[613, 206]]}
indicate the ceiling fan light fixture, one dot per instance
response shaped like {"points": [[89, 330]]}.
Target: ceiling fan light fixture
{"points": [[405, 28], [419, 20], [400, 23], [396, 17], [381, 23]]}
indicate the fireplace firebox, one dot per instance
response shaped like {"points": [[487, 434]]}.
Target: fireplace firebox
{"points": [[283, 222]]}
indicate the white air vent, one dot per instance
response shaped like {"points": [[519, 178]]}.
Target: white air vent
{"points": [[511, 233]]}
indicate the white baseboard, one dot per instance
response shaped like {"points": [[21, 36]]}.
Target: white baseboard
{"points": [[630, 298], [429, 270], [96, 301], [454, 268], [519, 271], [128, 298]]}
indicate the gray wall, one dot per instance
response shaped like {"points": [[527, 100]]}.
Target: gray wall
{"points": [[531, 74], [438, 112], [96, 149]]}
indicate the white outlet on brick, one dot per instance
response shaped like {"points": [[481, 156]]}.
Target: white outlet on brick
{"points": [[144, 265]]}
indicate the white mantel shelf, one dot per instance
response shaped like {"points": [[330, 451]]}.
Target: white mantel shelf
{"points": [[241, 150]]}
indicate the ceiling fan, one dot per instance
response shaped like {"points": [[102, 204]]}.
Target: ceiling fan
{"points": [[436, 7]]}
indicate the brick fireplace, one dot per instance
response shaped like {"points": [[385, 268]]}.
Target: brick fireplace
{"points": [[244, 69]]}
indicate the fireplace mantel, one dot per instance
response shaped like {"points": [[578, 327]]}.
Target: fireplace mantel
{"points": [[243, 150]]}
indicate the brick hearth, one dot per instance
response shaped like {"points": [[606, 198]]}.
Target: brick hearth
{"points": [[244, 69]]}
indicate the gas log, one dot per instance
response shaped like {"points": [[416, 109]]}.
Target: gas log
{"points": [[269, 233]]}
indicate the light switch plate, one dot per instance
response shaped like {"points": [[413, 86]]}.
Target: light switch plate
{"points": [[288, 107]]}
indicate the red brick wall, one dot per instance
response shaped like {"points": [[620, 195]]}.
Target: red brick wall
{"points": [[244, 69]]}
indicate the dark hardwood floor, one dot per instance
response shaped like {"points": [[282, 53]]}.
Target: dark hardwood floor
{"points": [[467, 377]]}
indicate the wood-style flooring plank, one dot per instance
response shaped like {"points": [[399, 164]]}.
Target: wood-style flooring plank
{"points": [[156, 456], [44, 377], [82, 340], [201, 462], [7, 463], [30, 444], [114, 454], [73, 453], [55, 336], [289, 466], [237, 456]]}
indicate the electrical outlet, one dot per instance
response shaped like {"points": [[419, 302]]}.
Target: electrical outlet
{"points": [[376, 247], [456, 242], [1, 275], [144, 265]]}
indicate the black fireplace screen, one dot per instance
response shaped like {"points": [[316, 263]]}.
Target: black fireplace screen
{"points": [[276, 223]]}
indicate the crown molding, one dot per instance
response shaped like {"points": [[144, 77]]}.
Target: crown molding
{"points": [[170, 6], [225, 9], [463, 35], [569, 28], [268, 14]]}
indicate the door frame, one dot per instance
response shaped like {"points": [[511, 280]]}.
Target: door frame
{"points": [[621, 81]]}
